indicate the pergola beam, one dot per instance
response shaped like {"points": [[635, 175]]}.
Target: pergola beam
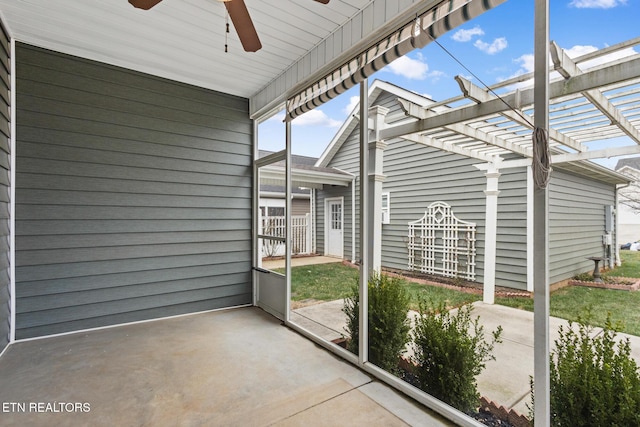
{"points": [[572, 157], [479, 95], [420, 112], [568, 69], [616, 73], [451, 148]]}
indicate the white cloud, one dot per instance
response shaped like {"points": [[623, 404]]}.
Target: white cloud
{"points": [[597, 4], [498, 45], [577, 51], [409, 68], [580, 50], [353, 101], [316, 117], [526, 62], [466, 35]]}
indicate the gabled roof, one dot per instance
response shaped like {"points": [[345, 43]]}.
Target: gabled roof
{"points": [[303, 174], [377, 88], [595, 104], [631, 162]]}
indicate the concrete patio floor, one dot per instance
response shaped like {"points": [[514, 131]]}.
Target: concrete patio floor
{"points": [[237, 367]]}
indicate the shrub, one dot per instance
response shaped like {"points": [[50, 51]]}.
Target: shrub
{"points": [[594, 380], [388, 322], [450, 352]]}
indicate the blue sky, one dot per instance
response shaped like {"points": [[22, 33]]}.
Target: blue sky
{"points": [[495, 46]]}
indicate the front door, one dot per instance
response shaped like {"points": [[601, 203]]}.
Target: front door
{"points": [[334, 227]]}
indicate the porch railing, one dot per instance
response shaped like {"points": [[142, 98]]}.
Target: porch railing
{"points": [[276, 226]]}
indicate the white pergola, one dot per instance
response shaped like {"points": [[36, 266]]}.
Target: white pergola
{"points": [[575, 104], [495, 125], [598, 104]]}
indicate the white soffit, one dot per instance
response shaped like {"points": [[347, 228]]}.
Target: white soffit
{"points": [[182, 40]]}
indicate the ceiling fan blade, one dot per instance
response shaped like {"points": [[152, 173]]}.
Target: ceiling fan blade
{"points": [[243, 24], [144, 4], [323, 1]]}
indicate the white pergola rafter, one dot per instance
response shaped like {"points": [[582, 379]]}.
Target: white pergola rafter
{"points": [[607, 76], [452, 148], [479, 95], [568, 69], [419, 112]]}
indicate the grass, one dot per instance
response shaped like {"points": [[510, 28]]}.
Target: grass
{"points": [[573, 302], [630, 265], [328, 282], [324, 282]]}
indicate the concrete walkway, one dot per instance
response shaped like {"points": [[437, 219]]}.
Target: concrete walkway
{"points": [[237, 367], [505, 380]]}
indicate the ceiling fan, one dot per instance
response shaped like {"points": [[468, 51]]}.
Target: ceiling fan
{"points": [[239, 16]]}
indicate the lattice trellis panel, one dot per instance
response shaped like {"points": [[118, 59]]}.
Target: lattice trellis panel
{"points": [[440, 243]]}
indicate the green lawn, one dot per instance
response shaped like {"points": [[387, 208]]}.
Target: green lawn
{"points": [[571, 302], [630, 265], [328, 282]]}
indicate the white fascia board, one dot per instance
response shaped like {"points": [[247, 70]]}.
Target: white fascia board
{"points": [[275, 173], [376, 88]]}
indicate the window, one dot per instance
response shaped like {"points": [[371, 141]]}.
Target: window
{"points": [[386, 208]]}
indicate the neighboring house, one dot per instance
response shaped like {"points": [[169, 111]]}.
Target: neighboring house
{"points": [[629, 201], [306, 180], [415, 175], [272, 212], [272, 196]]}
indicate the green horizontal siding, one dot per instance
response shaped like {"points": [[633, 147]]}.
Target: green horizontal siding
{"points": [[576, 223], [133, 196]]}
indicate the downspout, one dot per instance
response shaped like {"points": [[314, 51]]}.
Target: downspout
{"points": [[616, 219]]}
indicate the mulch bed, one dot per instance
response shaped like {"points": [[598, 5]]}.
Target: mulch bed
{"points": [[618, 283], [455, 284]]}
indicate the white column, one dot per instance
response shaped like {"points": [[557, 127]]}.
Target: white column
{"points": [[376, 178], [541, 348], [490, 235]]}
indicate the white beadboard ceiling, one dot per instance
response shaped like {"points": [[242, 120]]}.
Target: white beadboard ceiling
{"points": [[183, 40]]}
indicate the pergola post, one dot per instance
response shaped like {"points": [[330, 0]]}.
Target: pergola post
{"points": [[490, 235], [542, 408], [376, 178]]}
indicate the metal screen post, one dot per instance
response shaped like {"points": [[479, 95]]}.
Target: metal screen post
{"points": [[287, 213], [365, 248]]}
